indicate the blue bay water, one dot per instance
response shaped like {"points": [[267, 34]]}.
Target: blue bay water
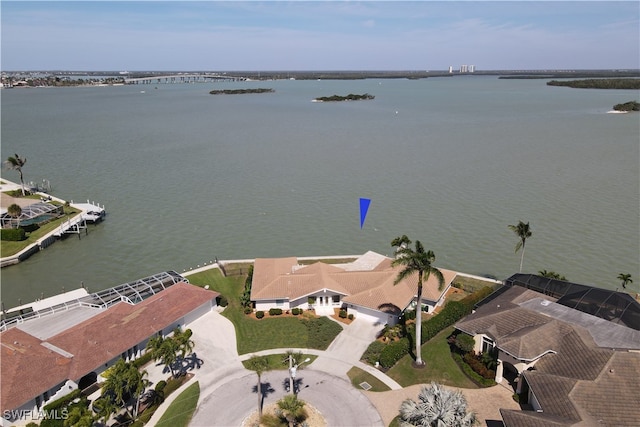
{"points": [[187, 176]]}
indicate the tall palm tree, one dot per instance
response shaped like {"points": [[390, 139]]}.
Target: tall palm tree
{"points": [[164, 350], [437, 407], [626, 279], [125, 380], [524, 232], [185, 344], [416, 261], [260, 365], [16, 162]]}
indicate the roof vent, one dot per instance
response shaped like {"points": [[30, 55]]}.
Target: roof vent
{"points": [[545, 302]]}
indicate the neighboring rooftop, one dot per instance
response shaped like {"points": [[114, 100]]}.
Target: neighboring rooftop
{"points": [[616, 307], [31, 366], [588, 368]]}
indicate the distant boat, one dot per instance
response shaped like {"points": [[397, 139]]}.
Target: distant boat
{"points": [[142, 91]]}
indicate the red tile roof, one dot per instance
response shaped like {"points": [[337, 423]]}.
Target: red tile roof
{"points": [[29, 368]]}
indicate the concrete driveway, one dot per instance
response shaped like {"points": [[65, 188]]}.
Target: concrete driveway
{"points": [[335, 398], [348, 347]]}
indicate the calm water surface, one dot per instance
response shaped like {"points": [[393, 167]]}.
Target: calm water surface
{"points": [[187, 176]]}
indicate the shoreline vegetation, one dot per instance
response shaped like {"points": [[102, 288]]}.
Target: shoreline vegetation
{"points": [[598, 83], [49, 78], [350, 97], [240, 91], [627, 106]]}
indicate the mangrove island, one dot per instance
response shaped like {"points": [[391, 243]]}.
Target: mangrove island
{"points": [[627, 106], [350, 97], [598, 83], [240, 91]]}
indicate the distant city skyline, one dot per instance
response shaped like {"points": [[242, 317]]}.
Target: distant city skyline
{"points": [[321, 35]]}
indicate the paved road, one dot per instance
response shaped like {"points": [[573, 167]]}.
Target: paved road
{"points": [[338, 401]]}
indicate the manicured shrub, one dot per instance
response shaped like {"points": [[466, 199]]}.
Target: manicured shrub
{"points": [[13, 234], [143, 360], [342, 314], [160, 386], [372, 354], [295, 311], [462, 342], [394, 352], [248, 310], [63, 401], [275, 311], [350, 316], [222, 301], [471, 374], [260, 314]]}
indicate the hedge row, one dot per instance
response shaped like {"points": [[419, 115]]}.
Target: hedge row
{"points": [[275, 311], [393, 352], [450, 314], [12, 234], [469, 372]]}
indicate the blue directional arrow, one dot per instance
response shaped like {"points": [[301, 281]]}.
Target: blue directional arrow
{"points": [[364, 207]]}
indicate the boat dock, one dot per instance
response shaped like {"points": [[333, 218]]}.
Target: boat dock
{"points": [[90, 212]]}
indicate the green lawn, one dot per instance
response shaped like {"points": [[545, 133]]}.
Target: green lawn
{"points": [[179, 413], [254, 335], [277, 361], [357, 376], [440, 366]]}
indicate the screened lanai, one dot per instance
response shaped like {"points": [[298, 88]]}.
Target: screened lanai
{"points": [[31, 214], [617, 307]]}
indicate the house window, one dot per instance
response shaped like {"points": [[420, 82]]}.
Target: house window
{"points": [[336, 299], [487, 344], [279, 302]]}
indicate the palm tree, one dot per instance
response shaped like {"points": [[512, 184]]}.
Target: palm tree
{"points": [[78, 416], [524, 232], [106, 409], [626, 279], [437, 407], [260, 365], [164, 350], [125, 380], [292, 409], [551, 275], [14, 211], [416, 261], [16, 163], [185, 344]]}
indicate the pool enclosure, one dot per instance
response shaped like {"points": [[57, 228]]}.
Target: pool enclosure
{"points": [[32, 214], [617, 307]]}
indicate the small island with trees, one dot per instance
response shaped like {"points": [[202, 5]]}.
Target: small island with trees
{"points": [[350, 97], [627, 106], [240, 91], [598, 83]]}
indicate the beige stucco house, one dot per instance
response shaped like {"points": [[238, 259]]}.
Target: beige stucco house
{"points": [[364, 287]]}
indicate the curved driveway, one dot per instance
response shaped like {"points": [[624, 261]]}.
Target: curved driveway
{"points": [[227, 394]]}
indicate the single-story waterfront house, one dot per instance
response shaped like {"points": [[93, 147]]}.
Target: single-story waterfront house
{"points": [[573, 368], [48, 361], [364, 287]]}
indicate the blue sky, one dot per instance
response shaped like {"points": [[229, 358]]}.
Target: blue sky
{"points": [[322, 35]]}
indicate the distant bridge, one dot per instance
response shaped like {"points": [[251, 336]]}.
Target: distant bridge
{"points": [[183, 78]]}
